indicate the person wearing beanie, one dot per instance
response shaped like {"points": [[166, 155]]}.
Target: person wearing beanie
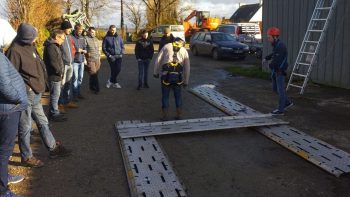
{"points": [[24, 56], [13, 100], [68, 50]]}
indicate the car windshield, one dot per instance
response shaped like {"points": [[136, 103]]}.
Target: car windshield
{"points": [[227, 29], [177, 28], [222, 37]]}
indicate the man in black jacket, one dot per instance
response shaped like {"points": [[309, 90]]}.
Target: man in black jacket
{"points": [[144, 52], [24, 56], [55, 69]]}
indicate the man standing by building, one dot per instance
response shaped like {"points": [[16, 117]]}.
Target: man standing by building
{"points": [[13, 100], [93, 59], [78, 62], [24, 56], [278, 66], [173, 65], [144, 52], [113, 48], [68, 51], [55, 68], [166, 38]]}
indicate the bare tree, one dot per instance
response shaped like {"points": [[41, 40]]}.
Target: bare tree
{"points": [[134, 14], [92, 8], [157, 7]]}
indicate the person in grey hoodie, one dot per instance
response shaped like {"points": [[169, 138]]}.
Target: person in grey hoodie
{"points": [[68, 51], [55, 69], [13, 101], [24, 56]]}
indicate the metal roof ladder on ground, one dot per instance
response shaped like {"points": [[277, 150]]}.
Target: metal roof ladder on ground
{"points": [[310, 46], [320, 153], [148, 170]]}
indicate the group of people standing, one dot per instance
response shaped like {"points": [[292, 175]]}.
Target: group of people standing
{"points": [[25, 76]]}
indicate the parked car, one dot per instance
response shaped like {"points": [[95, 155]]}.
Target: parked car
{"points": [[244, 32], [177, 31], [218, 45]]}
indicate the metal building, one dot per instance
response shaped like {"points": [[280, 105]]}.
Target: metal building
{"points": [[332, 66]]}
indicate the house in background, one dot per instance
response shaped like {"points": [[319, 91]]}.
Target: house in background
{"points": [[247, 13], [332, 65]]}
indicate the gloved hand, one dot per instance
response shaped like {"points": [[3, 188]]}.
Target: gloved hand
{"points": [[156, 76]]}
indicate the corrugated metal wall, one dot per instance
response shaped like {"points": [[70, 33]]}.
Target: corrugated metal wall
{"points": [[332, 65]]}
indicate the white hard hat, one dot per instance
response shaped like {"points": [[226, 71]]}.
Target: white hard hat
{"points": [[7, 33]]}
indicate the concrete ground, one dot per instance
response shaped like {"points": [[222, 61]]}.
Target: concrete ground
{"points": [[238, 162]]}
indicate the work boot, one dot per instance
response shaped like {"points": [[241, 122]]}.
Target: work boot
{"points": [[61, 109], [59, 151], [32, 162], [164, 114], [178, 113], [138, 87], [71, 105], [145, 85]]}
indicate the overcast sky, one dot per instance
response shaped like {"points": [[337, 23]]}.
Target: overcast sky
{"points": [[218, 8]]}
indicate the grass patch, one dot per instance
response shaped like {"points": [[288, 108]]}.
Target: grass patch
{"points": [[254, 72]]}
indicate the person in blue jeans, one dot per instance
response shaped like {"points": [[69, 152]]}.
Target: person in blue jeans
{"points": [[173, 68], [113, 48], [278, 66], [13, 101], [78, 62], [25, 58], [144, 51], [55, 69]]}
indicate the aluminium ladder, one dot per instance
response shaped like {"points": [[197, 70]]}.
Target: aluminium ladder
{"points": [[311, 44]]}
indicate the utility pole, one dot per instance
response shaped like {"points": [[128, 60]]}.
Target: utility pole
{"points": [[122, 19]]}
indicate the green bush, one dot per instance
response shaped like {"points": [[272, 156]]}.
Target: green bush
{"points": [[100, 34], [254, 72]]}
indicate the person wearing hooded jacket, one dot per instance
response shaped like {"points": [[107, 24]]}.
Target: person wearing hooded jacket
{"points": [[13, 100], [55, 69], [24, 56], [113, 48]]}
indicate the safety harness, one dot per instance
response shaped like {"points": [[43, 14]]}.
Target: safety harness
{"points": [[172, 71]]}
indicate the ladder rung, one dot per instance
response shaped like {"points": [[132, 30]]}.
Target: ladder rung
{"points": [[308, 53], [315, 42], [324, 8], [315, 30], [296, 86], [302, 63], [319, 19], [299, 75]]}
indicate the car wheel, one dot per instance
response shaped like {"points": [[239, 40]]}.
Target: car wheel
{"points": [[194, 51], [216, 55]]}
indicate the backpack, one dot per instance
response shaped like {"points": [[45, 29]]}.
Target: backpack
{"points": [[172, 72]]}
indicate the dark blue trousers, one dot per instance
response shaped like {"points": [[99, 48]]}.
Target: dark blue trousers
{"points": [[8, 130]]}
